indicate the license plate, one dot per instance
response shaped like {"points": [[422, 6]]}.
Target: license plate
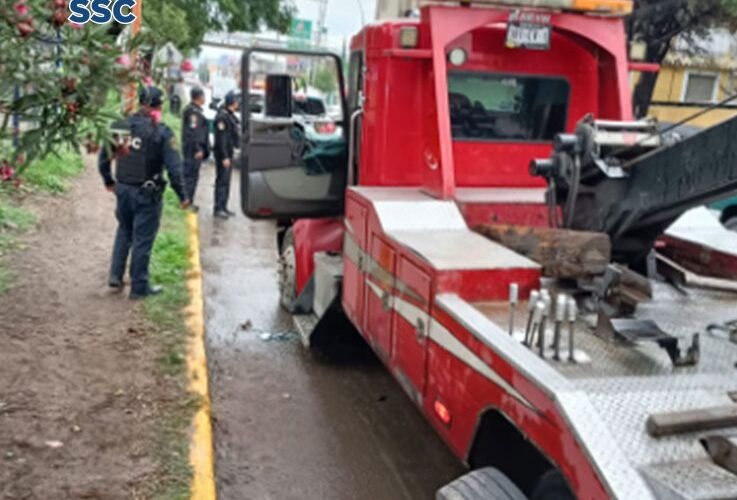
{"points": [[528, 30]]}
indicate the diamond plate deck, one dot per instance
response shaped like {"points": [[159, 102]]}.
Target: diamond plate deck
{"points": [[625, 384]]}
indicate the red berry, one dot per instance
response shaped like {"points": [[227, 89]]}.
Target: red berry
{"points": [[68, 85], [59, 17], [25, 29]]}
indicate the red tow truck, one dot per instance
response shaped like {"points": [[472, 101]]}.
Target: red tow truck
{"points": [[612, 377]]}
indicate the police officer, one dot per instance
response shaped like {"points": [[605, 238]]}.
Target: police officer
{"points": [[227, 139], [142, 146], [195, 141]]}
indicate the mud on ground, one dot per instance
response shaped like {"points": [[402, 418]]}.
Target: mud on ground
{"points": [[81, 391]]}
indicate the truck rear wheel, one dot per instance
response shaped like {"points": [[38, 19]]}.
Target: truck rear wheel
{"points": [[482, 484], [287, 271], [552, 486]]}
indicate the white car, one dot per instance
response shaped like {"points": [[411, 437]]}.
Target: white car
{"points": [[309, 111]]}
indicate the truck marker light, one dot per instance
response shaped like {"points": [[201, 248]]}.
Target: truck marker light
{"points": [[442, 412], [409, 37], [458, 57]]}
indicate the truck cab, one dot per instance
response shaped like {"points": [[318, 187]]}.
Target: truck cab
{"points": [[441, 118]]}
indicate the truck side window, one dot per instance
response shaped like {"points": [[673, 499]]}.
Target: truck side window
{"points": [[494, 107]]}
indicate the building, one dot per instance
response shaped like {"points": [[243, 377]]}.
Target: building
{"points": [[696, 74]]}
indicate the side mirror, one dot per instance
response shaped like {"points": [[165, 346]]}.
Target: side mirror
{"points": [[278, 96]]}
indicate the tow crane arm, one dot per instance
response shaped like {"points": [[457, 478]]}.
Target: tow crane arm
{"points": [[631, 182]]}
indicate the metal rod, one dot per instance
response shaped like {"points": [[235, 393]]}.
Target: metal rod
{"points": [[546, 300], [544, 324], [534, 297], [571, 312], [560, 316], [537, 316], [513, 301]]}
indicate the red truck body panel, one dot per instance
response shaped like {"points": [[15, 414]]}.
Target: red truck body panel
{"points": [[406, 142]]}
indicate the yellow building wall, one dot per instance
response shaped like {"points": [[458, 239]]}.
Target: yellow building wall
{"points": [[669, 89], [674, 114]]}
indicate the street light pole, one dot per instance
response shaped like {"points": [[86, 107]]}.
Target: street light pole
{"points": [[363, 14]]}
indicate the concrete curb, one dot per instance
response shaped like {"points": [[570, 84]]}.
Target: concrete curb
{"points": [[201, 452]]}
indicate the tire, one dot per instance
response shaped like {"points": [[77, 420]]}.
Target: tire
{"points": [[731, 223], [287, 269], [481, 484], [552, 486]]}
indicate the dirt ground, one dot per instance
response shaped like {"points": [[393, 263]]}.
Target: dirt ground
{"points": [[80, 391], [288, 426]]}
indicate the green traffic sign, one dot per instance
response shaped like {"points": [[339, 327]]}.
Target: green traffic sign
{"points": [[301, 29]]}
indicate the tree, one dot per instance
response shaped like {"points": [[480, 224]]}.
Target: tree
{"points": [[164, 17], [657, 23], [325, 79], [54, 79]]}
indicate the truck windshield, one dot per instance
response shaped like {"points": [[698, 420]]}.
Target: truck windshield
{"points": [[494, 107]]}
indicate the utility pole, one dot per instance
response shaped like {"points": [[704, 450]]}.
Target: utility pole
{"points": [[322, 15]]}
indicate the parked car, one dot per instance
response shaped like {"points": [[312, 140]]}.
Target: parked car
{"points": [[728, 208], [312, 113]]}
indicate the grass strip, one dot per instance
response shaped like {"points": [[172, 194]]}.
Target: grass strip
{"points": [[169, 267], [14, 220], [53, 173]]}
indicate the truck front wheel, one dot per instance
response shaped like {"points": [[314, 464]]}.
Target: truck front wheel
{"points": [[731, 223], [287, 271]]}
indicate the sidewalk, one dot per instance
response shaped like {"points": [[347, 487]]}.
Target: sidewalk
{"points": [[81, 391]]}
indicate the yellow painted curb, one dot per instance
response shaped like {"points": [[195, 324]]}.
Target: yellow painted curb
{"points": [[201, 455]]}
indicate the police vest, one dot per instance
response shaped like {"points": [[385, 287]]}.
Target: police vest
{"points": [[144, 159]]}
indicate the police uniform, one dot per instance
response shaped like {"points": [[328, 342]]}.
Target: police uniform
{"points": [[227, 139], [195, 139], [142, 148]]}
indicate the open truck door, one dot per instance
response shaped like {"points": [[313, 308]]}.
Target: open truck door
{"points": [[294, 161]]}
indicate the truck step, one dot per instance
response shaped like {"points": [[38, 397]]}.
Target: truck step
{"points": [[305, 325]]}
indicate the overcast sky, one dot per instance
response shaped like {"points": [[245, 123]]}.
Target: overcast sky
{"points": [[344, 17]]}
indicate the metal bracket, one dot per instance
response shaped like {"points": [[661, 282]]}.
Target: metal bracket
{"points": [[635, 330], [726, 330]]}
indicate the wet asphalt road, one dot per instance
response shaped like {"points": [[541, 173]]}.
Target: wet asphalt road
{"points": [[288, 426]]}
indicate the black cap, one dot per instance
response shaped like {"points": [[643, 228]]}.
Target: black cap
{"points": [[232, 97], [155, 97], [196, 93]]}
